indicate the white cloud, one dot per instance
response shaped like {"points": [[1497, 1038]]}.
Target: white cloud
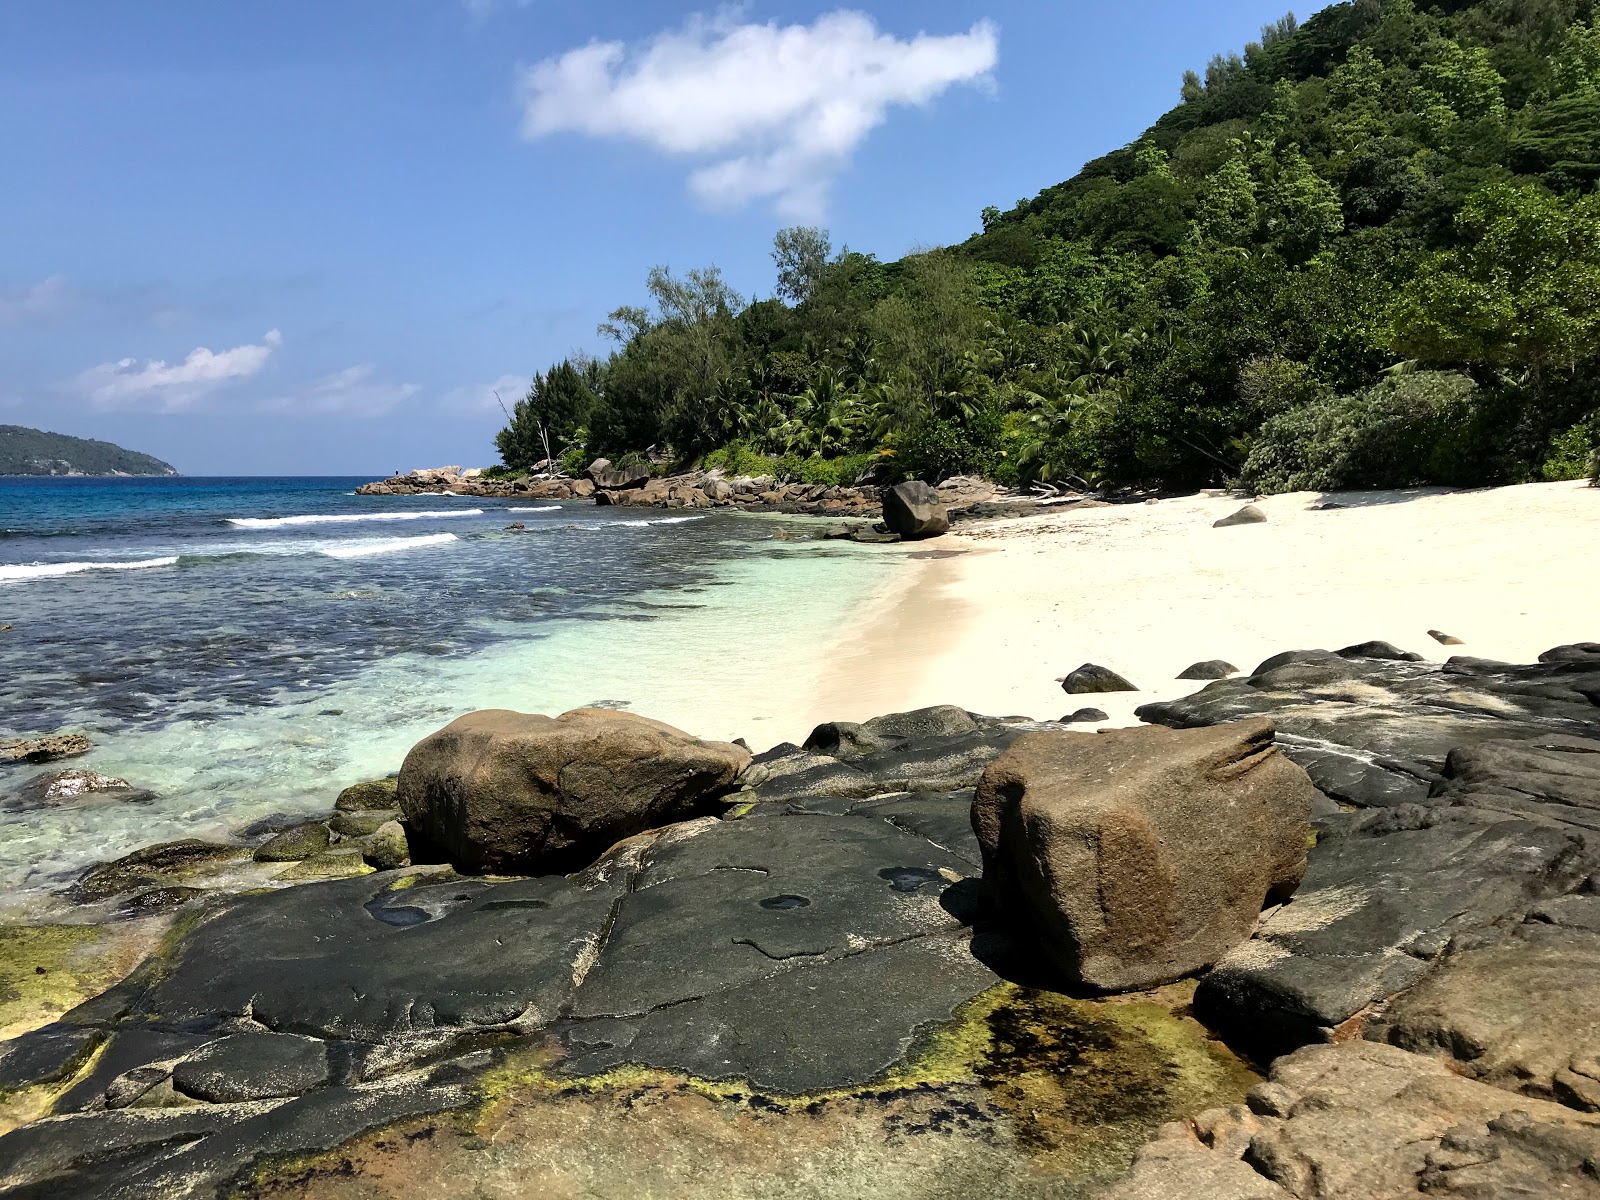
{"points": [[352, 392], [773, 111], [479, 398], [34, 301], [154, 383]]}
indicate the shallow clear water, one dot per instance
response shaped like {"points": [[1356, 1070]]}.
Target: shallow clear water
{"points": [[245, 647]]}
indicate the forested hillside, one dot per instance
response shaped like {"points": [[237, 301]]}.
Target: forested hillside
{"points": [[1365, 251], [25, 451]]}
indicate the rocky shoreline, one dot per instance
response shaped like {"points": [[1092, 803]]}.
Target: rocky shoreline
{"points": [[635, 487], [815, 949]]}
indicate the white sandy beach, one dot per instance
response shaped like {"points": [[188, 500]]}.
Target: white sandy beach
{"points": [[1149, 589]]}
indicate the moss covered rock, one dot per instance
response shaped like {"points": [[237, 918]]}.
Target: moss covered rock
{"points": [[293, 845], [379, 793], [363, 823], [337, 862], [387, 848]]}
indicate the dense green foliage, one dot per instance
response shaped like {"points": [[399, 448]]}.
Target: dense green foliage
{"points": [[1365, 251], [25, 451]]}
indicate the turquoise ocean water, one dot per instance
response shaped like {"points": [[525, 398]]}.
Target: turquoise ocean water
{"points": [[245, 647]]}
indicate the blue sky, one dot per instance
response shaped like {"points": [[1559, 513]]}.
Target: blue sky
{"points": [[310, 236]]}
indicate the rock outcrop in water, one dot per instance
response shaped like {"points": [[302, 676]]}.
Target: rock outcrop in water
{"points": [[1142, 855], [808, 991], [44, 749]]}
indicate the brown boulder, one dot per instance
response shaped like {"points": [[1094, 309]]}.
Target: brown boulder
{"points": [[1142, 855], [501, 791], [915, 510]]}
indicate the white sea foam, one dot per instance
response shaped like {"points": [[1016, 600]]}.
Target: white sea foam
{"points": [[656, 521], [545, 508], [19, 574], [345, 518], [367, 548]]}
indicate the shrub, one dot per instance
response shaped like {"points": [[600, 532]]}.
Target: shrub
{"points": [[1408, 430], [1575, 453], [937, 449], [574, 460], [737, 458]]}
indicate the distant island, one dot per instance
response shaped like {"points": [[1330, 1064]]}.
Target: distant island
{"points": [[25, 451]]}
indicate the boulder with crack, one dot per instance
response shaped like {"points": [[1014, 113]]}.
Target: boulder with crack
{"points": [[1142, 855]]}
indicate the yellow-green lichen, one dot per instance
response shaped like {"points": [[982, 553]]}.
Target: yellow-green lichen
{"points": [[47, 969], [1065, 1071]]}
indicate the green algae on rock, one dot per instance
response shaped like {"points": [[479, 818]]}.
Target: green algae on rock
{"points": [[1023, 1094], [47, 969]]}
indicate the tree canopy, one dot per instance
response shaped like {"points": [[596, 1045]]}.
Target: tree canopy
{"points": [[1363, 248]]}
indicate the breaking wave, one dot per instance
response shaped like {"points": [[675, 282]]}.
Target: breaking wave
{"points": [[365, 549], [345, 518], [24, 572]]}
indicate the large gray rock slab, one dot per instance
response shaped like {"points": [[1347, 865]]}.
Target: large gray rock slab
{"points": [[794, 951], [501, 791], [768, 895], [353, 959], [1142, 855], [253, 1066], [940, 749], [1377, 732], [1384, 893], [1555, 778], [1360, 1121], [45, 1055], [1522, 1013]]}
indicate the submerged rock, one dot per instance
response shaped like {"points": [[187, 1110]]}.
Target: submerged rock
{"points": [[1142, 855], [507, 791], [169, 862], [44, 749], [292, 845], [75, 788]]}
